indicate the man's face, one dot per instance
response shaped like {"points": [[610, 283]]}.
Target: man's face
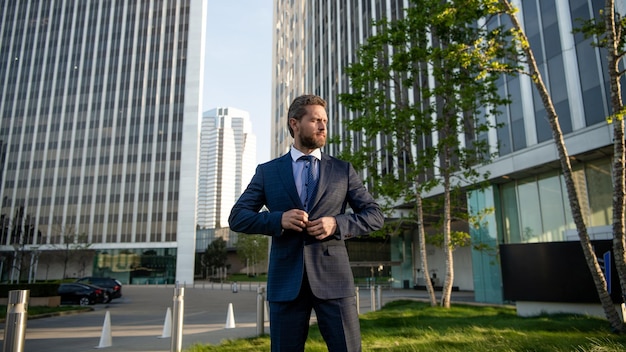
{"points": [[310, 131]]}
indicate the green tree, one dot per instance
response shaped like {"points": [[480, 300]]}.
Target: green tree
{"points": [[73, 245], [424, 99], [252, 249], [20, 233], [214, 258], [608, 29]]}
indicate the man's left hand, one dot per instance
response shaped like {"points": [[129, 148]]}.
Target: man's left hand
{"points": [[322, 227]]}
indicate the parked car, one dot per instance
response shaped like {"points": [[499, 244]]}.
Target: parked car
{"points": [[113, 286], [83, 294]]}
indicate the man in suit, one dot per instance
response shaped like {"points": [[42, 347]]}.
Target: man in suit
{"points": [[307, 219]]}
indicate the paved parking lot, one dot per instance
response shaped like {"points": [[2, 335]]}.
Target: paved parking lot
{"points": [[138, 318]]}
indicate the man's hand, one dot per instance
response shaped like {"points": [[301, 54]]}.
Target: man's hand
{"points": [[322, 227], [294, 219]]}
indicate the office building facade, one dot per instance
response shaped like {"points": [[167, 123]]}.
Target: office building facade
{"points": [[227, 164], [100, 102], [314, 42]]}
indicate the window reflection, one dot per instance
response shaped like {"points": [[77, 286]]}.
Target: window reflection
{"points": [[537, 209]]}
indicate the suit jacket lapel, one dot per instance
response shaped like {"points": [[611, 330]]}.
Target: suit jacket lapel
{"points": [[326, 168], [285, 170]]}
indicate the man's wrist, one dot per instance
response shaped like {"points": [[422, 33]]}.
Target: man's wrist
{"points": [[336, 232]]}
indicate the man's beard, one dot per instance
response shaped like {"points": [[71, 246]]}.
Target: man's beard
{"points": [[311, 142]]}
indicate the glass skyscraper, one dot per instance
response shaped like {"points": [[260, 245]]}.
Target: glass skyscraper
{"points": [[100, 103], [227, 164], [314, 42]]}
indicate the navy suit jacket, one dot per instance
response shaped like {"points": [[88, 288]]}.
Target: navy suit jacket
{"points": [[326, 261]]}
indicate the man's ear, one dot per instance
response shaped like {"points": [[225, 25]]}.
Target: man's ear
{"points": [[292, 122]]}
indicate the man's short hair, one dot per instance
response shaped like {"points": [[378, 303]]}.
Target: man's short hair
{"points": [[297, 109]]}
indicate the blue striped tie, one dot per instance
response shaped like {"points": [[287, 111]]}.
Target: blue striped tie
{"points": [[310, 181]]}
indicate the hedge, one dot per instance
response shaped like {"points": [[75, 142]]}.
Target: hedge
{"points": [[36, 289]]}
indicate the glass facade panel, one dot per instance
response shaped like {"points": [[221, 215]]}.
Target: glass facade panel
{"points": [[530, 213], [544, 132], [487, 272], [135, 266], [542, 205], [552, 209], [600, 192], [510, 214]]}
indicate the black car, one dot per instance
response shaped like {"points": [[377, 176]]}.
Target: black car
{"points": [[113, 286], [83, 294]]}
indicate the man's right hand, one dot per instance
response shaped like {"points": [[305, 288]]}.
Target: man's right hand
{"points": [[294, 219]]}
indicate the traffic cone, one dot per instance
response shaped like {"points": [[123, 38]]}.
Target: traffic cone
{"points": [[230, 317], [167, 325], [105, 339]]}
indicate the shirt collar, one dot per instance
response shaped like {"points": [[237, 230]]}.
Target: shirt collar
{"points": [[295, 154]]}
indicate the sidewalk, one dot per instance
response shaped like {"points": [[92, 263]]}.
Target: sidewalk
{"points": [[137, 319]]}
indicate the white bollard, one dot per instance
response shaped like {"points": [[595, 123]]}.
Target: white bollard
{"points": [[260, 311], [179, 312], [230, 317], [15, 326], [106, 340], [167, 325]]}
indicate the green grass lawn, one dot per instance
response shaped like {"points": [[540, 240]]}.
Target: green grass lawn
{"points": [[416, 326]]}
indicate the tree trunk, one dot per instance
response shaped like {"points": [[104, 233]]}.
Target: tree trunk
{"points": [[66, 259], [617, 106], [422, 244], [446, 290], [590, 257]]}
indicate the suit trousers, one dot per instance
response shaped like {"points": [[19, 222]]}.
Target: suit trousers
{"points": [[338, 321]]}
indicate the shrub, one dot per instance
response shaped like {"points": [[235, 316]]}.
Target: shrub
{"points": [[36, 289]]}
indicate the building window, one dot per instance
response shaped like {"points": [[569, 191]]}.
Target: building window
{"points": [[537, 209]]}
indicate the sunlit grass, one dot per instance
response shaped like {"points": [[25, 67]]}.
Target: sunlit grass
{"points": [[416, 326]]}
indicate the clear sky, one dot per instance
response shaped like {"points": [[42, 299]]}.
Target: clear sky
{"points": [[238, 62]]}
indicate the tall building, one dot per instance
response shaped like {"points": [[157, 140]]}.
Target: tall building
{"points": [[227, 164], [314, 42], [100, 103]]}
